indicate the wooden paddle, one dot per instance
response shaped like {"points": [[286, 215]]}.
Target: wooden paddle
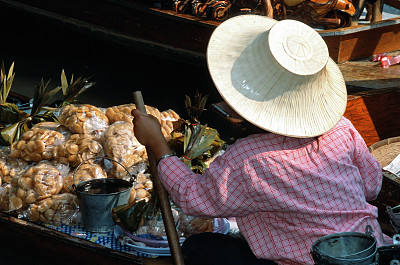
{"points": [[169, 224]]}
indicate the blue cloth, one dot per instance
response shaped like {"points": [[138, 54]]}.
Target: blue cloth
{"points": [[104, 239]]}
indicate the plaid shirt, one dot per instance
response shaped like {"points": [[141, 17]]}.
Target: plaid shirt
{"points": [[285, 192]]}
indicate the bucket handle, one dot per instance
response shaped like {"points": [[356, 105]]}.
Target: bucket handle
{"points": [[368, 230], [131, 180], [396, 239]]}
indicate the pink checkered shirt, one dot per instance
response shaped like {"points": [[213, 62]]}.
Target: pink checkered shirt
{"points": [[285, 192]]}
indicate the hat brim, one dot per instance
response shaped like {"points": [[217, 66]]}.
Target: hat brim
{"points": [[264, 93]]}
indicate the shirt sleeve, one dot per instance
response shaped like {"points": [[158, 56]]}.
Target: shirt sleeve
{"points": [[368, 166], [217, 193]]}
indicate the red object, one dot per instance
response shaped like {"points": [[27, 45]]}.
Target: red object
{"points": [[378, 57], [388, 61]]}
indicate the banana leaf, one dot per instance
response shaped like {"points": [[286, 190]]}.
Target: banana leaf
{"points": [[12, 133], [130, 216], [42, 95], [9, 113], [195, 108], [199, 139], [72, 90], [6, 82]]}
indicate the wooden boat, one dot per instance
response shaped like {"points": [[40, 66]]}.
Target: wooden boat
{"points": [[44, 244], [371, 111], [146, 27]]}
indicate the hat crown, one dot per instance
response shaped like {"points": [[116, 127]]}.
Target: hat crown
{"points": [[297, 47]]}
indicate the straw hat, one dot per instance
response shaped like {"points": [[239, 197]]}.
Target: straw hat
{"points": [[277, 75]]}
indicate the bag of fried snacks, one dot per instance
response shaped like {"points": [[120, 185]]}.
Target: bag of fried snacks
{"points": [[35, 183], [121, 145], [36, 145], [56, 210], [123, 113], [84, 119], [77, 148], [10, 167], [86, 171]]}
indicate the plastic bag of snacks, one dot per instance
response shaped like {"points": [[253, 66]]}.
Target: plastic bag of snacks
{"points": [[192, 225], [35, 183], [186, 225], [84, 119], [123, 113], [9, 168], [86, 171], [36, 145], [57, 209], [143, 186], [121, 145], [5, 197], [77, 148], [168, 117]]}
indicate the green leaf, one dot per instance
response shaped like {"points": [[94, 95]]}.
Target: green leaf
{"points": [[9, 113], [64, 83], [199, 139], [75, 88], [130, 216], [6, 82], [12, 133], [42, 95]]}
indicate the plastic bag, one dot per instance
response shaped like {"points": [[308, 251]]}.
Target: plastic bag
{"points": [[10, 167], [121, 145], [35, 183], [58, 209], [168, 118], [86, 171], [123, 113], [84, 119], [36, 145], [77, 148]]}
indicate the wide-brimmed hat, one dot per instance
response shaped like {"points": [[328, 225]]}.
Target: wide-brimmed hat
{"points": [[277, 75]]}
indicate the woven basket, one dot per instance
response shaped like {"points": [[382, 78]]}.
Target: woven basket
{"points": [[386, 151]]}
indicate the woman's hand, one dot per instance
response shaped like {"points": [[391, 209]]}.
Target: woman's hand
{"points": [[148, 132]]}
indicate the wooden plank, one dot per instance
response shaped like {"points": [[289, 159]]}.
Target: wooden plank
{"points": [[393, 3], [31, 239], [373, 114], [361, 41]]}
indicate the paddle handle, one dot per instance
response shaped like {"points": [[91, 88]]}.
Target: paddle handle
{"points": [[169, 224]]}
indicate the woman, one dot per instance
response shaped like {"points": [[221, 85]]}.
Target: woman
{"points": [[309, 175]]}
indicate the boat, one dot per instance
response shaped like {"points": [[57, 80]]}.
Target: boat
{"points": [[148, 27], [373, 101], [29, 239], [372, 111]]}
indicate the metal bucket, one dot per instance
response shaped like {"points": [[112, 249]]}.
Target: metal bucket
{"points": [[394, 216], [97, 198], [390, 254], [345, 248]]}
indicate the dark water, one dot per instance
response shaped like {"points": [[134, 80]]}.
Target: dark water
{"points": [[42, 50], [103, 186]]}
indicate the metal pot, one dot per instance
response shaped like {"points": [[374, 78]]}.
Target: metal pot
{"points": [[97, 198], [345, 248]]}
